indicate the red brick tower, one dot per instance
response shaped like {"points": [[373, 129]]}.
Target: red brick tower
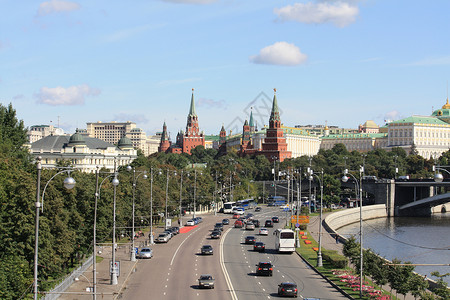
{"points": [[164, 145], [274, 146], [192, 137], [222, 136]]}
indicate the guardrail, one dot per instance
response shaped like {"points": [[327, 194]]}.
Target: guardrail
{"points": [[68, 280]]}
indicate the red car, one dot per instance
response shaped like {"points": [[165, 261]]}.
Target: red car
{"points": [[238, 224], [236, 216]]}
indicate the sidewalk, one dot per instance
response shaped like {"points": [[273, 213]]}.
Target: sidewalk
{"points": [[80, 289]]}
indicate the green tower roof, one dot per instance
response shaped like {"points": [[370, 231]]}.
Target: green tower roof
{"points": [[252, 123], [275, 114], [192, 109]]}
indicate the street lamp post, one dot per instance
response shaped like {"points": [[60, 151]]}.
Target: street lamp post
{"points": [[167, 195], [299, 201], [69, 183], [98, 187], [181, 187], [345, 179], [319, 254], [151, 207], [135, 178], [115, 183], [309, 178]]}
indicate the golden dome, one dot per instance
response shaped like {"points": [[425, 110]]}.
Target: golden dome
{"points": [[447, 105]]}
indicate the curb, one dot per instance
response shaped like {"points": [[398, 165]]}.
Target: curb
{"points": [[326, 278]]}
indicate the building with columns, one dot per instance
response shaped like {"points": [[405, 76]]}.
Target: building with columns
{"points": [[84, 153]]}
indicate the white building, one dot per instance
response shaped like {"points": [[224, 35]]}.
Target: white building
{"points": [[112, 132], [84, 153], [430, 135], [37, 132]]}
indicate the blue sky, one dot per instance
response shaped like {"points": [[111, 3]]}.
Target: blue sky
{"points": [[343, 62]]}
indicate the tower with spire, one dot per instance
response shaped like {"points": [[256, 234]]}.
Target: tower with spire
{"points": [[188, 140], [164, 144], [274, 146], [192, 136]]}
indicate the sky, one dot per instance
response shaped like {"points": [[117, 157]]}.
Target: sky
{"points": [[343, 62]]}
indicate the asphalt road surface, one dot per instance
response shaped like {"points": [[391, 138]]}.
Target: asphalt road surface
{"points": [[173, 271]]}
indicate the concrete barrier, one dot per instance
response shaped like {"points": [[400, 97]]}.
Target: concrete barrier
{"points": [[344, 217]]}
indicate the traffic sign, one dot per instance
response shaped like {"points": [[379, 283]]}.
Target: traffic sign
{"points": [[300, 220]]}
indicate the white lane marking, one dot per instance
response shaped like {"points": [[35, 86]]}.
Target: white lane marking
{"points": [[175, 254], [224, 269]]}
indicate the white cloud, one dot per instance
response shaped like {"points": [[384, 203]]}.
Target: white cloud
{"points": [[177, 81], [137, 118], [130, 32], [211, 103], [434, 61], [340, 13], [392, 115], [55, 6], [74, 95], [280, 53], [191, 1]]}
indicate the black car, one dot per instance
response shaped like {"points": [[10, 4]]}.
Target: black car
{"points": [[275, 219], [218, 226], [264, 268], [287, 289], [259, 246], [176, 229], [258, 208], [207, 249], [225, 222], [256, 222], [215, 234], [250, 239], [268, 223]]}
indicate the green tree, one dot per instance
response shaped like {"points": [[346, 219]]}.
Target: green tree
{"points": [[441, 290], [418, 285]]}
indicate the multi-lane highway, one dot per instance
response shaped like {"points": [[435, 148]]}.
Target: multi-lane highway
{"points": [[173, 271]]}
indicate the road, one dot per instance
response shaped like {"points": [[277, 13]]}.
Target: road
{"points": [[240, 261], [173, 271]]}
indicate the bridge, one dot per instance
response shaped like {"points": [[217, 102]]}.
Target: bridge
{"points": [[412, 197], [426, 204]]}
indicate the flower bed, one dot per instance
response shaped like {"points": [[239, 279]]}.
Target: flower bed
{"points": [[354, 282]]}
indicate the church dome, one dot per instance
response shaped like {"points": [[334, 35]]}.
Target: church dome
{"points": [[443, 113], [125, 142], [77, 139]]}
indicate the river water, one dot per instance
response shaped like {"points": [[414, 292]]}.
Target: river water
{"points": [[417, 240]]}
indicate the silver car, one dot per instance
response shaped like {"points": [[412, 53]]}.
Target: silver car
{"points": [[206, 282], [145, 253], [250, 226], [263, 231], [163, 238]]}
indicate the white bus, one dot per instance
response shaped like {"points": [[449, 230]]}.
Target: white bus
{"points": [[228, 207], [285, 240]]}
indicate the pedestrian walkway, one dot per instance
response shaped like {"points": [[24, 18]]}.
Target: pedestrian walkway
{"points": [[81, 289]]}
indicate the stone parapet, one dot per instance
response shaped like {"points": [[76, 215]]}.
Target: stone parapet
{"points": [[348, 216]]}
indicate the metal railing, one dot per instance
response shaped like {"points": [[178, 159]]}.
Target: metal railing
{"points": [[68, 280]]}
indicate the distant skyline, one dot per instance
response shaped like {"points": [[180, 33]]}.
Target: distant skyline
{"points": [[341, 62]]}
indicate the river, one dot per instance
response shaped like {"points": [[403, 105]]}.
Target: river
{"points": [[416, 240]]}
